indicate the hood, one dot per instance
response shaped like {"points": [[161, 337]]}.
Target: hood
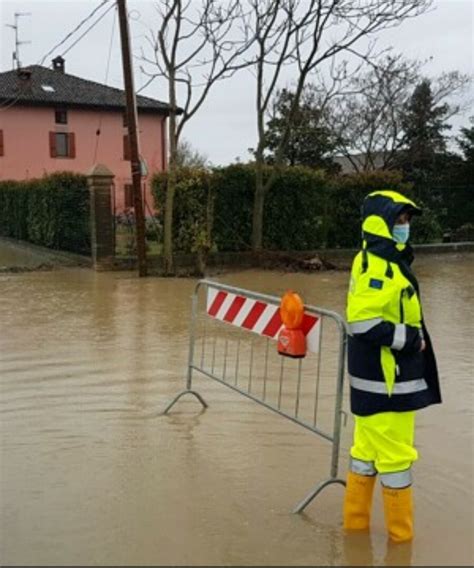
{"points": [[380, 211]]}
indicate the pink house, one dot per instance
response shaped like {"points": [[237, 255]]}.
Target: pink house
{"points": [[52, 121]]}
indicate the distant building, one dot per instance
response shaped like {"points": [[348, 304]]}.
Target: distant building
{"points": [[52, 121], [359, 162]]}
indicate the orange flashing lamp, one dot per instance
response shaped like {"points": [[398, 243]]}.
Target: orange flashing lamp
{"points": [[291, 340]]}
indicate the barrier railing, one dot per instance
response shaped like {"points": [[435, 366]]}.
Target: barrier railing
{"points": [[230, 342]]}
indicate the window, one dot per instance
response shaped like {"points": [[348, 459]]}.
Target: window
{"points": [[60, 116], [48, 88], [126, 148], [124, 119], [128, 201], [62, 145], [2, 149]]}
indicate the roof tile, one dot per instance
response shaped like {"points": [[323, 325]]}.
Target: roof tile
{"points": [[46, 87]]}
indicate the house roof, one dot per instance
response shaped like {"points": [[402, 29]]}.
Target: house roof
{"points": [[40, 86], [351, 163]]}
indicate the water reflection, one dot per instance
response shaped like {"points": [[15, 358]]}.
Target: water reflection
{"points": [[358, 549], [399, 554]]}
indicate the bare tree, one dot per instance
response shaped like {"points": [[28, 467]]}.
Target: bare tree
{"points": [[452, 86], [194, 47], [305, 34], [367, 121]]}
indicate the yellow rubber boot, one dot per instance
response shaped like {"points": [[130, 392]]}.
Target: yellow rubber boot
{"points": [[398, 505], [358, 501]]}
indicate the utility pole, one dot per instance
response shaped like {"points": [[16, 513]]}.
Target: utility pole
{"points": [[133, 137], [16, 54]]}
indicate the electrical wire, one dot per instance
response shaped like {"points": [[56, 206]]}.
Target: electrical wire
{"points": [[71, 33], [12, 102], [88, 30], [99, 126]]}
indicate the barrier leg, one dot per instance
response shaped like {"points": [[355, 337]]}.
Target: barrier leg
{"points": [[181, 394], [189, 377], [334, 479], [315, 492]]}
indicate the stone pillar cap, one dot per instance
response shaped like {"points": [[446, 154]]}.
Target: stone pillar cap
{"points": [[99, 170]]}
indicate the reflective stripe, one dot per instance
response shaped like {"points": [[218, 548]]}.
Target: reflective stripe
{"points": [[408, 387], [376, 387], [400, 336], [364, 326], [363, 467], [397, 480], [379, 387]]}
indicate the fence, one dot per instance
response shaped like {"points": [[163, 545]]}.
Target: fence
{"points": [[231, 336], [123, 212]]}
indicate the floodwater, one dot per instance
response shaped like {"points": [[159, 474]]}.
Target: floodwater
{"points": [[90, 474]]}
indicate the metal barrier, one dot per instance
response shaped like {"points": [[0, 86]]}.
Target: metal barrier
{"points": [[239, 356]]}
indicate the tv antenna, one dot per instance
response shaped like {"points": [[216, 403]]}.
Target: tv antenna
{"points": [[16, 62]]}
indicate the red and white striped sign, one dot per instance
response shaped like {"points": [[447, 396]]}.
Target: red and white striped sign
{"points": [[257, 316]]}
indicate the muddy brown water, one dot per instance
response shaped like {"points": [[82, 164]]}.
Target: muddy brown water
{"points": [[89, 474]]}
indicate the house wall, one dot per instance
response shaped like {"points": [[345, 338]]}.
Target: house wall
{"points": [[27, 152]]}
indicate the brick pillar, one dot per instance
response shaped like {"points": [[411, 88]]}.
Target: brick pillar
{"points": [[100, 180]]}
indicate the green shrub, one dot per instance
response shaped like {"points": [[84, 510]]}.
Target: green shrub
{"points": [[234, 188], [426, 228], [192, 215], [295, 207], [292, 217], [52, 211], [304, 210]]}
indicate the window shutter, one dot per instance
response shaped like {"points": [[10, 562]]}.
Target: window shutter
{"points": [[52, 144], [1, 143], [72, 145], [126, 148]]}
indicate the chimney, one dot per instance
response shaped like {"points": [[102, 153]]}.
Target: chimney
{"points": [[24, 74], [58, 64]]}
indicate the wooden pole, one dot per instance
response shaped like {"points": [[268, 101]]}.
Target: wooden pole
{"points": [[133, 137]]}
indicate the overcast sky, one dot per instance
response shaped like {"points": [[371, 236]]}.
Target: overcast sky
{"points": [[225, 127]]}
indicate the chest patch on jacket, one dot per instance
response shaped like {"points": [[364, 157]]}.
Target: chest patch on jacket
{"points": [[375, 283]]}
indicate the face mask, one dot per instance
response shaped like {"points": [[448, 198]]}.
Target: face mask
{"points": [[401, 233]]}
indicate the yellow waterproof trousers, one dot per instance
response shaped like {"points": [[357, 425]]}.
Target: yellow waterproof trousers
{"points": [[383, 443]]}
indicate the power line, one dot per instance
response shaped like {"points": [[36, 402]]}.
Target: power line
{"points": [[10, 103], [88, 30], [98, 133], [71, 33], [13, 101]]}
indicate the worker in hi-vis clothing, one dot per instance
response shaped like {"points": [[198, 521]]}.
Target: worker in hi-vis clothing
{"points": [[391, 363]]}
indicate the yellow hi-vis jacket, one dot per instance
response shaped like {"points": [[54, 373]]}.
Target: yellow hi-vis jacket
{"points": [[387, 370]]}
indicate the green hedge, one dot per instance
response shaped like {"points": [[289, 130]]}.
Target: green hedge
{"points": [[235, 186], [192, 205], [53, 211], [304, 210], [292, 216]]}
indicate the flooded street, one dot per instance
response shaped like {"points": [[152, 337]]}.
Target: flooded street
{"points": [[90, 474]]}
